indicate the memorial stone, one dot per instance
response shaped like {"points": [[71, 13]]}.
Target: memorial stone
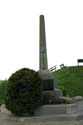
{"points": [[45, 75]]}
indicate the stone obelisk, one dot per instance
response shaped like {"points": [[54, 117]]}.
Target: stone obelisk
{"points": [[45, 75], [43, 63]]}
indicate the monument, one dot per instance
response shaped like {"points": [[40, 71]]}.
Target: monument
{"points": [[47, 80], [45, 75]]}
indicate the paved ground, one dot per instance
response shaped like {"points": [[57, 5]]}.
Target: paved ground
{"points": [[6, 122], [7, 119]]}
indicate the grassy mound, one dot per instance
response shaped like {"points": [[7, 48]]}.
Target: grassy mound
{"points": [[71, 79], [3, 86]]}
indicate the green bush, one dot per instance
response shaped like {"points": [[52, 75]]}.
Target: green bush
{"points": [[23, 92]]}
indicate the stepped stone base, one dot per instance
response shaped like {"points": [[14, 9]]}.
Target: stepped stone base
{"points": [[69, 114], [47, 80], [60, 109], [55, 93]]}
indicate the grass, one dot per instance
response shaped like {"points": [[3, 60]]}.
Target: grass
{"points": [[70, 79], [3, 85]]}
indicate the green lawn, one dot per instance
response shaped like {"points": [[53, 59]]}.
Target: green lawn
{"points": [[71, 79], [3, 85]]}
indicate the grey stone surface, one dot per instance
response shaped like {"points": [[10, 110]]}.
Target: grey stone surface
{"points": [[47, 80], [45, 74], [67, 99], [80, 105], [60, 109], [58, 92], [73, 122], [3, 110], [43, 63], [57, 119], [55, 93], [77, 98], [51, 110]]}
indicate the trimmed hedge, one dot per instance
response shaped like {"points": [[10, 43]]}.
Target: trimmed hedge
{"points": [[23, 92]]}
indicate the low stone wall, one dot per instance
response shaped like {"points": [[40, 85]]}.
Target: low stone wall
{"points": [[67, 114], [60, 109]]}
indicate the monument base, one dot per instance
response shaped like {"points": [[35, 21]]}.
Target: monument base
{"points": [[47, 84], [61, 110], [55, 93], [47, 80]]}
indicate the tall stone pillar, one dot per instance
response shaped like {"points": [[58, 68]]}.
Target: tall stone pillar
{"points": [[45, 75], [43, 64]]}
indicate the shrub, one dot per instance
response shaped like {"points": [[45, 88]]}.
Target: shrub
{"points": [[23, 92]]}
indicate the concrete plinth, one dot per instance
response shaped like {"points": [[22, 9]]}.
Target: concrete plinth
{"points": [[60, 109], [70, 117], [55, 93]]}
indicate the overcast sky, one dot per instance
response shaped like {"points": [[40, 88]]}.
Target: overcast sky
{"points": [[19, 33]]}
